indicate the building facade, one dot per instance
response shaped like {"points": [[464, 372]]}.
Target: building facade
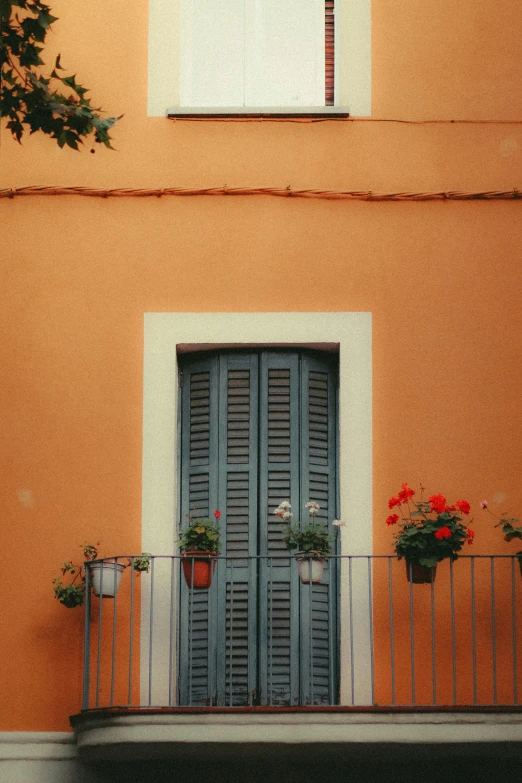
{"points": [[309, 228]]}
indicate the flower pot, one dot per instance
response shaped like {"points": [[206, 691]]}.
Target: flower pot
{"points": [[111, 578], [198, 568], [420, 575], [310, 562]]}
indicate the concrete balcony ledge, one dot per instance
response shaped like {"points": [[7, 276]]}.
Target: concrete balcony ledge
{"points": [[170, 732]]}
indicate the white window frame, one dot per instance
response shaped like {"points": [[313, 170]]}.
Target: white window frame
{"points": [[167, 333], [352, 62]]}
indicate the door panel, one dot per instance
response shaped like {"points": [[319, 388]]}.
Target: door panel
{"points": [[258, 428]]}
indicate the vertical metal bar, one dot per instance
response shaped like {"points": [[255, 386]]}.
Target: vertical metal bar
{"points": [[392, 640], [113, 661], [131, 635], [171, 630], [87, 641], [311, 642], [270, 633], [231, 632], [151, 627], [352, 665], [210, 679], [433, 645], [493, 631], [514, 627], [370, 615], [100, 625], [453, 633], [473, 630], [332, 569], [190, 629], [412, 638]]}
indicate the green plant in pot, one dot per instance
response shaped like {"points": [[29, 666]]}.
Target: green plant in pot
{"points": [[70, 585], [311, 541], [510, 529], [199, 546], [429, 531]]}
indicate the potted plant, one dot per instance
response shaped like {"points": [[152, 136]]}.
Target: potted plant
{"points": [[199, 547], [71, 593], [430, 531], [312, 542], [509, 529]]}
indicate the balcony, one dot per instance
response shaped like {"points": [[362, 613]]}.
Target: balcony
{"points": [[362, 659]]}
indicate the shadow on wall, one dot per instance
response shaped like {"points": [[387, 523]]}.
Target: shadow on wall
{"points": [[317, 764]]}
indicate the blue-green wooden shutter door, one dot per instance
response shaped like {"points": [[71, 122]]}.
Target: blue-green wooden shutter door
{"points": [[257, 429], [318, 605], [199, 498], [279, 480], [237, 577]]}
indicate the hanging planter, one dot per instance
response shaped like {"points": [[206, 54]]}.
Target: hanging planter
{"points": [[420, 575], [310, 566], [429, 531], [111, 578], [198, 568], [199, 544], [312, 541]]}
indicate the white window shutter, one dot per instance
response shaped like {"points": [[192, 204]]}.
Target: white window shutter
{"points": [[212, 53], [285, 53]]}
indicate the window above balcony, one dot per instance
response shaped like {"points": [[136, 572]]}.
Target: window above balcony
{"points": [[259, 56]]}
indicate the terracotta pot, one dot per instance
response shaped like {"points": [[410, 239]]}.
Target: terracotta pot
{"points": [[307, 561], [198, 568], [420, 575], [110, 581]]}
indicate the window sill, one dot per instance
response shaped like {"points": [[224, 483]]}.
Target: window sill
{"points": [[261, 112]]}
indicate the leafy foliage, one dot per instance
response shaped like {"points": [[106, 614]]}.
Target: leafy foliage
{"points": [[55, 105], [72, 593], [201, 535], [310, 538], [430, 530]]}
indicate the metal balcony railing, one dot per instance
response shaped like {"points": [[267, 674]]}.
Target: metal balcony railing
{"points": [[258, 636]]}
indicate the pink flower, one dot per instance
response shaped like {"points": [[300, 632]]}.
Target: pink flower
{"points": [[483, 503]]}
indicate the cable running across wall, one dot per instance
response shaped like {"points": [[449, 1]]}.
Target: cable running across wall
{"points": [[333, 195]]}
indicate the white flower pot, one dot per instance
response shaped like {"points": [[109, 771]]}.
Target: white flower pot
{"points": [[111, 578], [308, 562]]}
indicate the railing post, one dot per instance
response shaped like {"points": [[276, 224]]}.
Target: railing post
{"points": [[87, 640]]}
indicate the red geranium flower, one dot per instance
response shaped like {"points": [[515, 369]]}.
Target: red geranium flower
{"points": [[392, 519], [470, 535], [394, 502], [406, 493], [444, 532], [438, 503], [217, 513], [463, 506]]}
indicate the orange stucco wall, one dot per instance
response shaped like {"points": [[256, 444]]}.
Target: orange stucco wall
{"points": [[442, 280]]}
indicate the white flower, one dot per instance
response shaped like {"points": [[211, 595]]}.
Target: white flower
{"points": [[312, 507], [285, 504], [286, 515], [338, 523]]}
